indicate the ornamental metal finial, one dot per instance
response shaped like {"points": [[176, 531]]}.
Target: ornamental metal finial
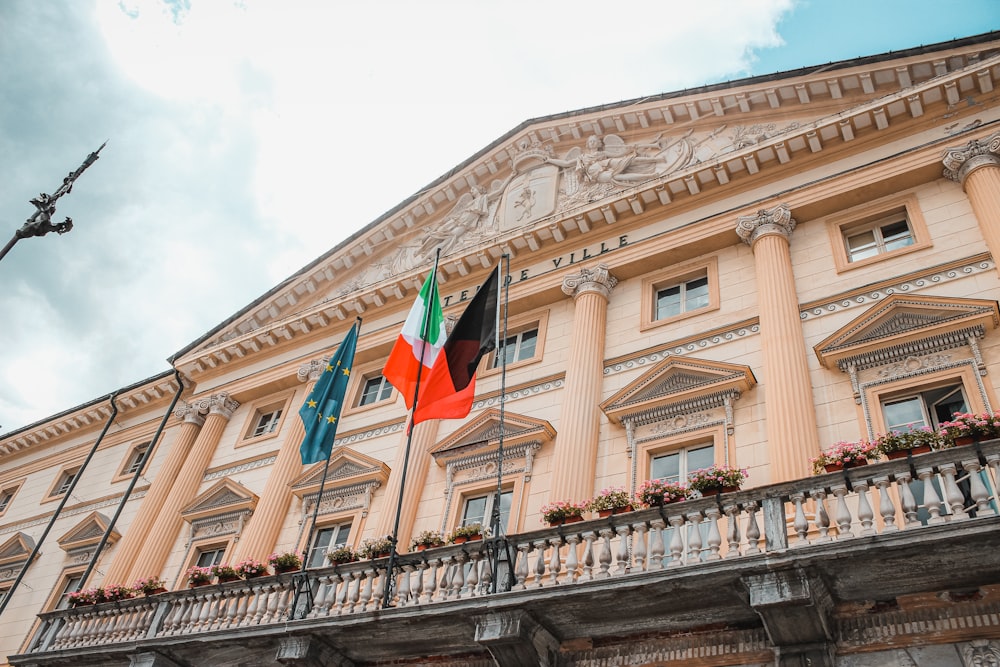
{"points": [[40, 223]]}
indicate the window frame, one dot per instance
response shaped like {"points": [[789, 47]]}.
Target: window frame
{"points": [[12, 488], [511, 482], [871, 215], [517, 325], [724, 449], [654, 283], [198, 547], [359, 376], [259, 409], [60, 481], [132, 458], [339, 524]]}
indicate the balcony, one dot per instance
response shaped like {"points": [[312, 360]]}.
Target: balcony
{"points": [[839, 563]]}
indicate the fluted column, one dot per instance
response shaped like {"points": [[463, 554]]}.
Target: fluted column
{"points": [[792, 437], [152, 504], [976, 166], [168, 523], [424, 437], [261, 532], [575, 458]]}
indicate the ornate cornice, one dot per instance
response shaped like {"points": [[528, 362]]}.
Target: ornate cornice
{"points": [[962, 161], [597, 280], [765, 222]]}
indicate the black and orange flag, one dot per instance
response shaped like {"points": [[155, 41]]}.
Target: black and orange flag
{"points": [[448, 391]]}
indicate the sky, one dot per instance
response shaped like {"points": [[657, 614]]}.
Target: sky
{"points": [[248, 137]]}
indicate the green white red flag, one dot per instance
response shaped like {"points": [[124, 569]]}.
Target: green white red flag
{"points": [[420, 341], [447, 392]]}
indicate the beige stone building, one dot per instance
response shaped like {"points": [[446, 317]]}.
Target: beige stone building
{"points": [[741, 274]]}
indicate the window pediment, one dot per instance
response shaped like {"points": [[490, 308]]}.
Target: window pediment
{"points": [[678, 385], [904, 325], [224, 497], [482, 435], [16, 549], [87, 533], [347, 468]]}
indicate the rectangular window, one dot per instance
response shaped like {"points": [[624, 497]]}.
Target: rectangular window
{"points": [[134, 459], [327, 539], [928, 407], [675, 466], [266, 422], [375, 389], [210, 556], [70, 584], [517, 347], [479, 509], [682, 297], [6, 496], [878, 238], [65, 481]]}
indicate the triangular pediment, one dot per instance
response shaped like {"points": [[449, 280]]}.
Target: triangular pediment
{"points": [[482, 434], [902, 320], [676, 382], [347, 467], [223, 497], [549, 185], [17, 548], [88, 533]]}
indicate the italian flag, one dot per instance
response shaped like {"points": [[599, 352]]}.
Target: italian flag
{"points": [[417, 344]]}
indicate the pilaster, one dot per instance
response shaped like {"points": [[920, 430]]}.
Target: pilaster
{"points": [[153, 555], [976, 166], [152, 504], [792, 436], [575, 458]]}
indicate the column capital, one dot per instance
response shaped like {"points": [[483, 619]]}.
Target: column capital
{"points": [[597, 279], [764, 222], [312, 370], [962, 161], [217, 404], [189, 414]]}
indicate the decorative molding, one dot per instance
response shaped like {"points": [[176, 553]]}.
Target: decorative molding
{"points": [[240, 467], [889, 627], [910, 285], [658, 354], [341, 498], [359, 436], [597, 280], [521, 392], [752, 645], [87, 533], [79, 509]]}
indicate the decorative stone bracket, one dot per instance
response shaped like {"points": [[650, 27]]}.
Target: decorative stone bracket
{"points": [[795, 607], [515, 639]]}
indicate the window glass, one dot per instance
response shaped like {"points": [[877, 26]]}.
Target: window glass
{"points": [[266, 423], [675, 466], [929, 407], [5, 497], [878, 238], [479, 509], [681, 298], [211, 556], [65, 481], [375, 389], [132, 465], [518, 347], [326, 539], [71, 584]]}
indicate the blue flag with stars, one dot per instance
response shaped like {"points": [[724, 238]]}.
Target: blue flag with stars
{"points": [[321, 411]]}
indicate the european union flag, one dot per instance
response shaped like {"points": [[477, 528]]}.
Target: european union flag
{"points": [[321, 411]]}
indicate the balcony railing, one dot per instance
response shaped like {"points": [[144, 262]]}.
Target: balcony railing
{"points": [[894, 497]]}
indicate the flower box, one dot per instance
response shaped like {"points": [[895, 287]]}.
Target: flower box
{"points": [[610, 501], [469, 533], [845, 455], [428, 539], [562, 511], [717, 479], [379, 547], [657, 492], [286, 561]]}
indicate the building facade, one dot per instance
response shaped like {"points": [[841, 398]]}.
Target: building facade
{"points": [[741, 275]]}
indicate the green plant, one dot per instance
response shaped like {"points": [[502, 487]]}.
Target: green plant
{"points": [[285, 560], [198, 575], [375, 547], [87, 596], [845, 453], [469, 531], [342, 554], [149, 585], [251, 568], [983, 426], [561, 510], [655, 492], [614, 498], [897, 441], [224, 571], [428, 539], [716, 477]]}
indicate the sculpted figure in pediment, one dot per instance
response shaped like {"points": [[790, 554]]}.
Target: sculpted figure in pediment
{"points": [[611, 160]]}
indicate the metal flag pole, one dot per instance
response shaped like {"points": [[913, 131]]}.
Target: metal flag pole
{"points": [[140, 468], [498, 542], [40, 223], [388, 585], [301, 579], [62, 503]]}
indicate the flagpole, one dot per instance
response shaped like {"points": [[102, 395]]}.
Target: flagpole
{"points": [[502, 350], [391, 566], [62, 503], [303, 581]]}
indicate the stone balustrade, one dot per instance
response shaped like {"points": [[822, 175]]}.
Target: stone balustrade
{"points": [[952, 486]]}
